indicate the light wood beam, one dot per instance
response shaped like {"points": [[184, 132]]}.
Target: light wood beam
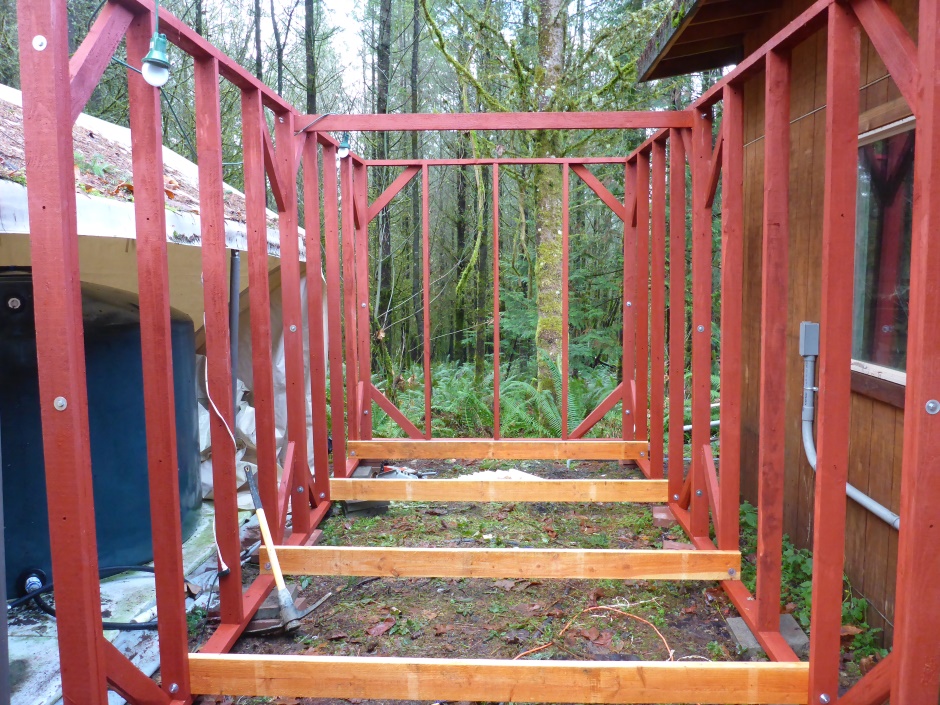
{"points": [[430, 490], [545, 563], [489, 449], [491, 680]]}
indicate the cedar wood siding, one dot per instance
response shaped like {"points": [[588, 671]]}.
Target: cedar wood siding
{"points": [[876, 427]]}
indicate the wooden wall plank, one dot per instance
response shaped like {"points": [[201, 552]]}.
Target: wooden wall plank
{"points": [[432, 490], [547, 563], [498, 680], [505, 449]]}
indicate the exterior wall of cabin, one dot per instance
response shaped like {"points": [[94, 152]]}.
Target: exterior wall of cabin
{"points": [[877, 425]]}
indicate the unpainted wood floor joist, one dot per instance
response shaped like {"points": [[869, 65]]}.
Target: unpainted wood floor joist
{"points": [[545, 563], [503, 449], [431, 490], [499, 680]]}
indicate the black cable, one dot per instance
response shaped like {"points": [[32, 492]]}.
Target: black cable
{"points": [[36, 596]]}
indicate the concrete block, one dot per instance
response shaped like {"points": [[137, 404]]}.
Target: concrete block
{"points": [[789, 629], [663, 518]]}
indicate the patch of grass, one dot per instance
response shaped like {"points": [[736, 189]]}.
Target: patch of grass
{"points": [[797, 587]]}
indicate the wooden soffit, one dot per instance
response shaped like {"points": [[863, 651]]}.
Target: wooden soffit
{"points": [[700, 35]]}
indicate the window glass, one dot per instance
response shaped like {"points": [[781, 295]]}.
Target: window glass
{"points": [[883, 251]]}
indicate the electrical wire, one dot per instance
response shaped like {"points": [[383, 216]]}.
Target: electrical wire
{"points": [[36, 597]]}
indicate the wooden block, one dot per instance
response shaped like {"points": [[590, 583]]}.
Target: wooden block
{"points": [[504, 449], [430, 490], [488, 680], [677, 546], [544, 563]]}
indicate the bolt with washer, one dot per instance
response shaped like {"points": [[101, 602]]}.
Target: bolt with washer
{"points": [[933, 407], [14, 303]]}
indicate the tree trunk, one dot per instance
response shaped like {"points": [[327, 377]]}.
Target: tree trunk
{"points": [[258, 67], [310, 53], [548, 196], [383, 71]]}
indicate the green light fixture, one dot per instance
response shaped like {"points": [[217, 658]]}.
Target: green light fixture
{"points": [[155, 66], [343, 151]]}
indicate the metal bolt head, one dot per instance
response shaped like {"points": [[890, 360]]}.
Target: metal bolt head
{"points": [[39, 42], [824, 698], [363, 304], [60, 403], [675, 497], [300, 490], [365, 412], [14, 303], [352, 452], [323, 495], [701, 329], [267, 566], [731, 572], [698, 493], [933, 407], [293, 329], [280, 119], [174, 688], [629, 304]]}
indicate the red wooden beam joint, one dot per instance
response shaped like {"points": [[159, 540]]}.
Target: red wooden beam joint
{"points": [[91, 59]]}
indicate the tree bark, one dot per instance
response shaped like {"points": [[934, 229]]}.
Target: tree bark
{"points": [[548, 195], [258, 67], [383, 71], [310, 53]]}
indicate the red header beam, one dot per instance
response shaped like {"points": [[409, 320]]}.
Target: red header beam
{"points": [[407, 122], [489, 162]]}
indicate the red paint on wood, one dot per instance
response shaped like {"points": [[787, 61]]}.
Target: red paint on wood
{"points": [[125, 679], [285, 492], [677, 247], [272, 167], [496, 428], [702, 152], [602, 192], [641, 302], [915, 627], [218, 341], [628, 363], [658, 314], [407, 122], [893, 44], [732, 303], [334, 306], [292, 315], [393, 190], [259, 298], [711, 481], [592, 419], [494, 162], [351, 323], [773, 388], [714, 174], [93, 56], [426, 276], [874, 687], [157, 363], [316, 323], [565, 252], [361, 193], [395, 413], [60, 352]]}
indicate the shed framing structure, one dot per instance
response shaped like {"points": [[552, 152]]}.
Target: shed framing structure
{"points": [[56, 87]]}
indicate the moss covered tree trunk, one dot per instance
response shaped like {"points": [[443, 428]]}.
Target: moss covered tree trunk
{"points": [[551, 44]]}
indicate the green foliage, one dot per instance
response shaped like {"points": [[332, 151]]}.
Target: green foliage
{"points": [[797, 586]]}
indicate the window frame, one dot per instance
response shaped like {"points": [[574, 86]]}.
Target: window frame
{"points": [[870, 369]]}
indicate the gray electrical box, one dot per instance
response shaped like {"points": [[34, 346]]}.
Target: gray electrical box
{"points": [[809, 339]]}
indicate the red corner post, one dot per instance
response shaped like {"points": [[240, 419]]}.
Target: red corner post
{"points": [[835, 382], [916, 623], [50, 164], [773, 340]]}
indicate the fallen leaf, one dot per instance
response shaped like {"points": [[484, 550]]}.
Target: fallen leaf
{"points": [[449, 648], [516, 636], [336, 636], [691, 609], [506, 585], [435, 512], [441, 629], [866, 664], [548, 525], [604, 639], [594, 596], [528, 610], [790, 608], [448, 524], [591, 634], [382, 627], [525, 585]]}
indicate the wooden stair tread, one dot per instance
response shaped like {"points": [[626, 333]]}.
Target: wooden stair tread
{"points": [[503, 449]]}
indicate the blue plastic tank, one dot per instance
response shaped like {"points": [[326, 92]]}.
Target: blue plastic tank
{"points": [[116, 420]]}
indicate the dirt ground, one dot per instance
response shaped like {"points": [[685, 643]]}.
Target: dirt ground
{"points": [[603, 620]]}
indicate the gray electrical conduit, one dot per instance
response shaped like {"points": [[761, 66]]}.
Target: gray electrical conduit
{"points": [[809, 350]]}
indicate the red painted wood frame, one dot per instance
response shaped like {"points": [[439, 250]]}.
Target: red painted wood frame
{"points": [[677, 247], [496, 423], [658, 315], [642, 299], [631, 264]]}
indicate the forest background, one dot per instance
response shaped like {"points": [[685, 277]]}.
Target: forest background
{"points": [[440, 56]]}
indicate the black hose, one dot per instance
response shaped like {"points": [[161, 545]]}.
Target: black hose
{"points": [[36, 596]]}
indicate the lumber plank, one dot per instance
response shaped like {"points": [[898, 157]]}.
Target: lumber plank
{"points": [[547, 563], [504, 449], [498, 680], [430, 490]]}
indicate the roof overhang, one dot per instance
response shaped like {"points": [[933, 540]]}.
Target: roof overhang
{"points": [[700, 35]]}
